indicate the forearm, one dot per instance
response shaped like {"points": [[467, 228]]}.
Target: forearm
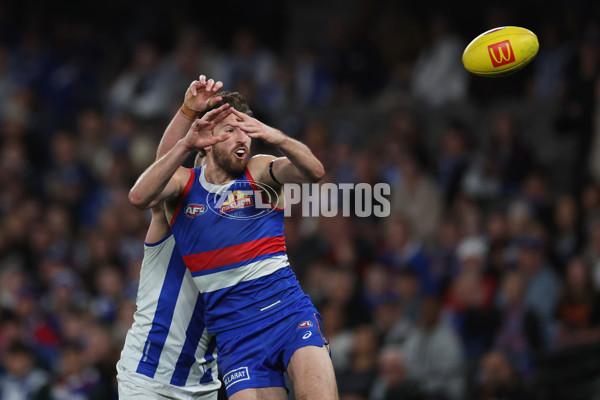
{"points": [[302, 158], [177, 129], [150, 186]]}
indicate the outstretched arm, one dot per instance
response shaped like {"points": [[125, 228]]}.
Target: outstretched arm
{"points": [[165, 178], [199, 96], [299, 164]]}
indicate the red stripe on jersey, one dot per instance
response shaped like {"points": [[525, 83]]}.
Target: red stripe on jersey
{"points": [[187, 188], [233, 254]]}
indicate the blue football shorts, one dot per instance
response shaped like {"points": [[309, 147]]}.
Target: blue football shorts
{"points": [[257, 355]]}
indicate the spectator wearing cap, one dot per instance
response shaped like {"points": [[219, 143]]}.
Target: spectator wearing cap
{"points": [[542, 288], [470, 298], [472, 253]]}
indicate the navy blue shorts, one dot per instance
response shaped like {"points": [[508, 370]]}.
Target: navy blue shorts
{"points": [[257, 355]]}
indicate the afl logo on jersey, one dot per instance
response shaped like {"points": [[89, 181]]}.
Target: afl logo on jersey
{"points": [[305, 324], [193, 210]]}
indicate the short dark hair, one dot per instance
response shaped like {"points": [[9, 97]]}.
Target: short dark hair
{"points": [[234, 99]]}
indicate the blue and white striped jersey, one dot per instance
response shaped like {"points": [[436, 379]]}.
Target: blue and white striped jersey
{"points": [[168, 341]]}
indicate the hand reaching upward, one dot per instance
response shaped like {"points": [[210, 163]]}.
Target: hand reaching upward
{"points": [[200, 96]]}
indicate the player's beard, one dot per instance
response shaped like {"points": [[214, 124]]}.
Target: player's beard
{"points": [[232, 165]]}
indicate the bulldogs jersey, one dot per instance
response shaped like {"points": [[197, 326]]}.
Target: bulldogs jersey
{"points": [[232, 242]]}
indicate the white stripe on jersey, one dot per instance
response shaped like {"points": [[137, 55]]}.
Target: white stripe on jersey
{"points": [[152, 276], [231, 277]]}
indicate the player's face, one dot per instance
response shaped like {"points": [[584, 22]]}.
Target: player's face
{"points": [[233, 154]]}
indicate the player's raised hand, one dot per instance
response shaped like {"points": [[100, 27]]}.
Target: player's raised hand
{"points": [[200, 134], [201, 94], [218, 114], [256, 129]]}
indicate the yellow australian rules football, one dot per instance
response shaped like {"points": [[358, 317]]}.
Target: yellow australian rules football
{"points": [[500, 51]]}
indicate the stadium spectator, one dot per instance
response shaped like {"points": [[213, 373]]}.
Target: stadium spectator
{"points": [[356, 380], [520, 333], [21, 378], [393, 381], [578, 309], [542, 285], [434, 355], [497, 379], [418, 198], [438, 78], [401, 250]]}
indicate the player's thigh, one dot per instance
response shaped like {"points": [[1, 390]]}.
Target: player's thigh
{"points": [[312, 374], [268, 393]]}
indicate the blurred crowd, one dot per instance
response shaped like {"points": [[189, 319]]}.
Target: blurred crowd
{"points": [[484, 281]]}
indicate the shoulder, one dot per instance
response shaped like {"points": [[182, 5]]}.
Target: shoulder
{"points": [[259, 164], [260, 160], [184, 175]]}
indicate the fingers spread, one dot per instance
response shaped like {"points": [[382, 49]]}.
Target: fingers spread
{"points": [[200, 124], [218, 86], [221, 116], [214, 115], [209, 85]]}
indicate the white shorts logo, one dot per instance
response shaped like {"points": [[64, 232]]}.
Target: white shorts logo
{"points": [[235, 376], [307, 335]]}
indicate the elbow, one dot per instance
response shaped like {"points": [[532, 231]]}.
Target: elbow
{"points": [[136, 200]]}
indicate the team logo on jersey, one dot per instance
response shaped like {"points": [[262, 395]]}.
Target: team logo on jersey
{"points": [[246, 200], [236, 200], [305, 324], [235, 376], [193, 210]]}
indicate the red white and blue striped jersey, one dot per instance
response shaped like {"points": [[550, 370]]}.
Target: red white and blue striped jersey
{"points": [[234, 246]]}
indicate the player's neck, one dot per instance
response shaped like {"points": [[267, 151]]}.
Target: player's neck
{"points": [[216, 175]]}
